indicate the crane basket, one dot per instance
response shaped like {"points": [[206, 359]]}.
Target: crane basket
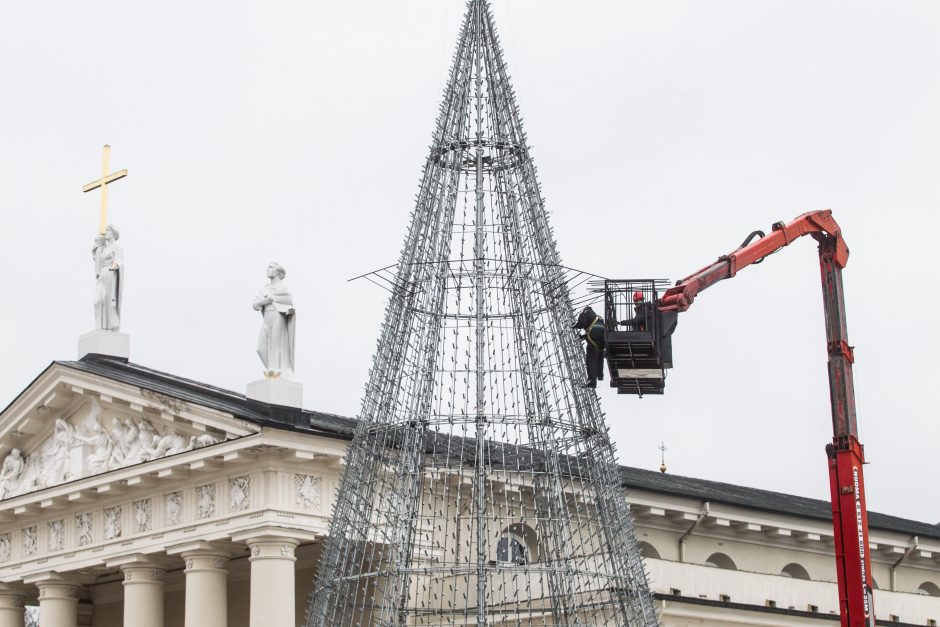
{"points": [[639, 336]]}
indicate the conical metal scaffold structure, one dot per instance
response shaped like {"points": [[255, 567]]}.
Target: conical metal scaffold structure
{"points": [[480, 487]]}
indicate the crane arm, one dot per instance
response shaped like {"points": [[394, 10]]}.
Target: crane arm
{"points": [[845, 453], [819, 224]]}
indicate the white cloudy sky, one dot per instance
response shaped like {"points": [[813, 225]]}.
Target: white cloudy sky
{"points": [[296, 131]]}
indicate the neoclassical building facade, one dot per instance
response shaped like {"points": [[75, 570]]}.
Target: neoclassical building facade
{"points": [[134, 497]]}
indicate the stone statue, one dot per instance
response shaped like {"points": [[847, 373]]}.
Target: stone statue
{"points": [[6, 550], [148, 441], [32, 477], [98, 438], [109, 272], [170, 443], [55, 453], [276, 340], [120, 444], [134, 450], [12, 467]]}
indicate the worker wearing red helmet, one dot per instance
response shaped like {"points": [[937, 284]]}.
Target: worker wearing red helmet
{"points": [[642, 319]]}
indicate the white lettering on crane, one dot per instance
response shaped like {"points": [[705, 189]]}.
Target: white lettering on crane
{"points": [[861, 540]]}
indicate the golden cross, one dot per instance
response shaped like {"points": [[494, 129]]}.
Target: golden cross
{"points": [[103, 184]]}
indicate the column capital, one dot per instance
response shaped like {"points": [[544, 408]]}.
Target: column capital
{"points": [[53, 585], [16, 588], [145, 575], [273, 549], [270, 533], [271, 542], [142, 569], [13, 596], [139, 560], [202, 556], [202, 548]]}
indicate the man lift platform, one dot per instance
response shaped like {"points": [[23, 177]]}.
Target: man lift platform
{"points": [[639, 354]]}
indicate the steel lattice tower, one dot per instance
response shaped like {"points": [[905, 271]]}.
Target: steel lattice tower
{"points": [[481, 487]]}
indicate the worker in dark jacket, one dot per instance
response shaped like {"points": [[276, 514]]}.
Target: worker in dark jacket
{"points": [[594, 335], [643, 312]]}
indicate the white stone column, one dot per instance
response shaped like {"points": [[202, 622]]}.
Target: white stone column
{"points": [[272, 582], [12, 606], [143, 590], [58, 602], [206, 584], [272, 574]]}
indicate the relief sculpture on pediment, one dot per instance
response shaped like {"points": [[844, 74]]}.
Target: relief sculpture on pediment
{"points": [[74, 452]]}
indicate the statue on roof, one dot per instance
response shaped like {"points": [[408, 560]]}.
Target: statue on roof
{"points": [[109, 270], [276, 339]]}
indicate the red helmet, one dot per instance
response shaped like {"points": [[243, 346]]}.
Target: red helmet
{"points": [[637, 296]]}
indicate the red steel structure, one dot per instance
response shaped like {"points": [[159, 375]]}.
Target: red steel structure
{"points": [[846, 454]]}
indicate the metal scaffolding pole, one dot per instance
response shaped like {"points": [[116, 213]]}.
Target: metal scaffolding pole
{"points": [[481, 487]]}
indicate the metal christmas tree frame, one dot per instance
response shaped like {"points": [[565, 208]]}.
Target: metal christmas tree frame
{"points": [[481, 487]]}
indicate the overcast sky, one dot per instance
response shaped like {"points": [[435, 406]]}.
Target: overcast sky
{"points": [[296, 131]]}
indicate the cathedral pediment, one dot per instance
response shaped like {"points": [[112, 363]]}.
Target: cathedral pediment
{"points": [[73, 422]]}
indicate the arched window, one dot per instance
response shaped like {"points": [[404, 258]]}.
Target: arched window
{"points": [[929, 589], [517, 544], [720, 560], [647, 550], [511, 550], [796, 571]]}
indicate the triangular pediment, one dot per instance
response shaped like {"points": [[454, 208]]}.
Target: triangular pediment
{"points": [[70, 423]]}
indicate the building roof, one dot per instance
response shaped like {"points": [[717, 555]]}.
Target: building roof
{"points": [[332, 425], [763, 500]]}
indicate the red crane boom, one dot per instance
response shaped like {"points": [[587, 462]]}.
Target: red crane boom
{"points": [[846, 454]]}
